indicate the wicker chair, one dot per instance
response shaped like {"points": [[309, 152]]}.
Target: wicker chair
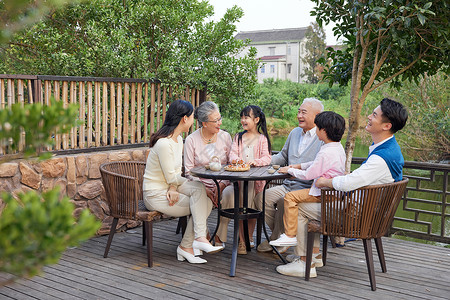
{"points": [[365, 213], [123, 186]]}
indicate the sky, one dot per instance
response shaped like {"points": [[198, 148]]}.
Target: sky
{"points": [[271, 14]]}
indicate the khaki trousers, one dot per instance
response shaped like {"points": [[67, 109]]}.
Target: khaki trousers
{"points": [[192, 201], [274, 209], [291, 202], [306, 210]]}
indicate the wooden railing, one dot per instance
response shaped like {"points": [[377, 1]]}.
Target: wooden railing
{"points": [[424, 212], [112, 111]]}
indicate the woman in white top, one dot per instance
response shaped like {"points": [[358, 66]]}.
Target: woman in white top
{"points": [[166, 191]]}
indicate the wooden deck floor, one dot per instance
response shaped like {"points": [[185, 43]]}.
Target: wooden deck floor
{"points": [[415, 271]]}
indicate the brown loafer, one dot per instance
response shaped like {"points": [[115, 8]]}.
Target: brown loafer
{"points": [[241, 248]]}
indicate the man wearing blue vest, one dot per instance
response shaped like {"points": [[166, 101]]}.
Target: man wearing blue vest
{"points": [[383, 165]]}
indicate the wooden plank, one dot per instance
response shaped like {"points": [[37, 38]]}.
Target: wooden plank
{"points": [[48, 92], [126, 112], [146, 113], [41, 290], [57, 93], [158, 106], [65, 100], [197, 104], [139, 113], [124, 273], [112, 106], [207, 273], [97, 121], [152, 109], [30, 91], [2, 94], [193, 104], [10, 92], [11, 293], [20, 99], [2, 106], [117, 277], [186, 91], [89, 114], [164, 103], [105, 114], [73, 100], [82, 97], [133, 113], [39, 91], [73, 286], [119, 113]]}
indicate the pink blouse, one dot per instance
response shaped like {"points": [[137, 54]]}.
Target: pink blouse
{"points": [[261, 154], [197, 153]]}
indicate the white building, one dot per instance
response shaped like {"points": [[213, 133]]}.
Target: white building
{"points": [[280, 52]]}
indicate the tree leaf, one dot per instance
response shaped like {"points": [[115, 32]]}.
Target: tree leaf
{"points": [[421, 18], [428, 5]]}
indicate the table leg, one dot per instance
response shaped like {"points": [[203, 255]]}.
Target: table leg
{"points": [[245, 205], [236, 230], [219, 198], [264, 224]]}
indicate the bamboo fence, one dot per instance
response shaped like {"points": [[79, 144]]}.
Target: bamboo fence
{"points": [[111, 111]]}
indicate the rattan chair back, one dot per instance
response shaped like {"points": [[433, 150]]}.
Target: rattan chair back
{"points": [[363, 213], [122, 181]]}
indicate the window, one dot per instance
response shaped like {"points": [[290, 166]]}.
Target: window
{"points": [[272, 68], [289, 67], [263, 69], [271, 51], [289, 50]]}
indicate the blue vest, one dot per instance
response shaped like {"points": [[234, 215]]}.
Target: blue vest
{"points": [[392, 155]]}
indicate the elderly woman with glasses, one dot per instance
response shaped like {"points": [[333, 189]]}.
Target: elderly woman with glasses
{"points": [[203, 144]]}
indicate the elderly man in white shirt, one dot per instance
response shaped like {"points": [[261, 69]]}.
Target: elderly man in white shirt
{"points": [[383, 165]]}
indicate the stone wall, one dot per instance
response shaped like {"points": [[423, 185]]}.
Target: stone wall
{"points": [[78, 177]]}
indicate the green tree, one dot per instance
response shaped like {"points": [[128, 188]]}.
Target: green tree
{"points": [[315, 50], [16, 15], [427, 136], [386, 41], [170, 40], [35, 229]]}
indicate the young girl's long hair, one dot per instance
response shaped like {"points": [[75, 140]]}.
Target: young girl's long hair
{"points": [[261, 127], [177, 110]]}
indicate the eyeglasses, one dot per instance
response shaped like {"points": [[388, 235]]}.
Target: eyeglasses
{"points": [[215, 121]]}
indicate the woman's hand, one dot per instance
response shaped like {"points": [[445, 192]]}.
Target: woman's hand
{"points": [[222, 186], [172, 195], [210, 195]]}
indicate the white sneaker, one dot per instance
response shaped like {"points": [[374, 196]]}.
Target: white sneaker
{"points": [[316, 259], [284, 240], [265, 247], [296, 268]]}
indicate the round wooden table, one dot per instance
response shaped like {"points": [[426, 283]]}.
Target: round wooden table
{"points": [[241, 213]]}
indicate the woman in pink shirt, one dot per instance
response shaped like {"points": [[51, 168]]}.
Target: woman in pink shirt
{"points": [[200, 146]]}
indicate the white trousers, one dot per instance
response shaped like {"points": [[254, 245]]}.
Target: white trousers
{"points": [[192, 201]]}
